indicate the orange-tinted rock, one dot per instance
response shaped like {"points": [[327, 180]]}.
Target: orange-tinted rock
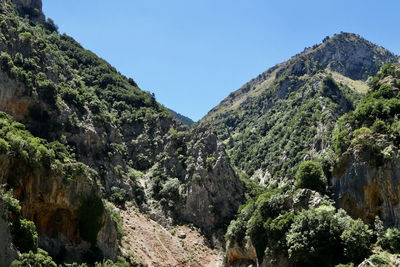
{"points": [[365, 190], [52, 203]]}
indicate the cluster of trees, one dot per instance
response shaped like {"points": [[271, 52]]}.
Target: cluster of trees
{"points": [[374, 123], [316, 236], [290, 127]]}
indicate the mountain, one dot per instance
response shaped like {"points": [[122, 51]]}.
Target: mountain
{"points": [[94, 171], [344, 214], [185, 120], [81, 142], [287, 114]]}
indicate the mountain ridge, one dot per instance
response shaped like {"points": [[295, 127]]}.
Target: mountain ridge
{"points": [[249, 115], [270, 72]]}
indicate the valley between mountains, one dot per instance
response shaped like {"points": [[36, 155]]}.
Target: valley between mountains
{"points": [[298, 167]]}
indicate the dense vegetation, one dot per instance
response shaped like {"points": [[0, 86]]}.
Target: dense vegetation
{"points": [[374, 125], [74, 92], [277, 134], [319, 234]]}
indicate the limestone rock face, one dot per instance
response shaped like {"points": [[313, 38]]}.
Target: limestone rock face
{"points": [[7, 251], [241, 254], [214, 192], [14, 98], [351, 56], [32, 8], [53, 203], [366, 191]]}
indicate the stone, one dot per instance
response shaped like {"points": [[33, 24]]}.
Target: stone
{"points": [[182, 235]]}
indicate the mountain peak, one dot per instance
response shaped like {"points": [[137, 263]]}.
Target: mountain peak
{"points": [[348, 54], [30, 8]]}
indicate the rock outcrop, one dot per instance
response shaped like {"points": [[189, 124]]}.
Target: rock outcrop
{"points": [[347, 54], [7, 251], [366, 175], [238, 255], [213, 191], [365, 190], [55, 204], [30, 8]]}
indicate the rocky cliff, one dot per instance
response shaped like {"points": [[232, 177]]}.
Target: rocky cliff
{"points": [[366, 174], [30, 8], [214, 192], [366, 191], [58, 194], [7, 250]]}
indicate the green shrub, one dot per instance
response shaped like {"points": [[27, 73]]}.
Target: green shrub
{"points": [[236, 231], [323, 237], [278, 228], [310, 175], [170, 193], [117, 220], [24, 235], [39, 259], [11, 203], [210, 161], [356, 239], [391, 240], [118, 195], [121, 262], [314, 237], [4, 146], [345, 265], [381, 260]]}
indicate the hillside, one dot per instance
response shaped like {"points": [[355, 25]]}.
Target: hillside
{"points": [[299, 167], [137, 153], [287, 114], [367, 143], [346, 216], [185, 120]]}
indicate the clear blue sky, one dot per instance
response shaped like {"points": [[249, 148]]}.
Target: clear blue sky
{"points": [[192, 54]]}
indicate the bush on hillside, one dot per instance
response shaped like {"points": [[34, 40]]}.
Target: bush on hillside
{"points": [[310, 175]]}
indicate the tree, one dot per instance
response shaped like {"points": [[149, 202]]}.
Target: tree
{"points": [[391, 240], [310, 175], [323, 237], [314, 237]]}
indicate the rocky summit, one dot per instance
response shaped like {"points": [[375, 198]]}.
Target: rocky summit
{"points": [[299, 167]]}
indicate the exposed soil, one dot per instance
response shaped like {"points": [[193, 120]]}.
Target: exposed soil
{"points": [[154, 245]]}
